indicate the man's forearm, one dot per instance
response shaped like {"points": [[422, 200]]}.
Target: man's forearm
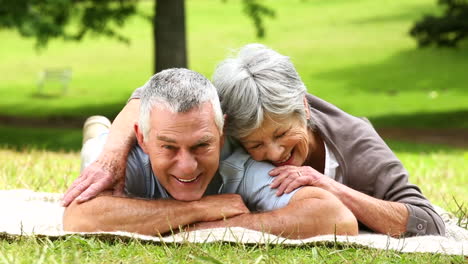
{"points": [[148, 217], [310, 212], [108, 213], [381, 216]]}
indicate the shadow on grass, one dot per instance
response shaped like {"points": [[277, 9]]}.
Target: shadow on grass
{"points": [[63, 117], [413, 147], [54, 139], [59, 131], [427, 69], [56, 114], [404, 15], [429, 120]]}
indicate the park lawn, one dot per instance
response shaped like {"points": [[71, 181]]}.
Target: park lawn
{"points": [[356, 54], [440, 171]]}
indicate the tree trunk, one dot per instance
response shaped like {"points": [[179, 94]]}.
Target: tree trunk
{"points": [[169, 34]]}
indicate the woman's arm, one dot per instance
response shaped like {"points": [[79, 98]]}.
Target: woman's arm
{"points": [[310, 212], [386, 217], [108, 171]]}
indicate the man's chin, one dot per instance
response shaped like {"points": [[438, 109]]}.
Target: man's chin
{"points": [[185, 197]]}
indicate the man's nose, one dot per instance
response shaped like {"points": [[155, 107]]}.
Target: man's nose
{"points": [[186, 163], [274, 152]]}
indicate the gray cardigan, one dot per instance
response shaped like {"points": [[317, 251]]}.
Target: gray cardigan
{"points": [[367, 164]]}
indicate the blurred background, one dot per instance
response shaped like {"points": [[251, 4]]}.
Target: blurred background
{"points": [[62, 61]]}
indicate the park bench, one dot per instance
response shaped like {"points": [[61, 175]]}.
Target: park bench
{"points": [[61, 75]]}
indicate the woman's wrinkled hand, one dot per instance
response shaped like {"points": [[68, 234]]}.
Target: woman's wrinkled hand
{"points": [[288, 178], [94, 179]]}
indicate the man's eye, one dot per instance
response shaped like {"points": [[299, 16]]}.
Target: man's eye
{"points": [[168, 147], [201, 146]]}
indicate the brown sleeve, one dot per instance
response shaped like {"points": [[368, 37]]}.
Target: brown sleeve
{"points": [[374, 169], [392, 185]]}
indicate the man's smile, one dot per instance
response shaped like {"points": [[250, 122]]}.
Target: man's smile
{"points": [[187, 180]]}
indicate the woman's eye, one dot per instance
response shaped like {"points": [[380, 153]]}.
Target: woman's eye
{"points": [[256, 146], [282, 134]]}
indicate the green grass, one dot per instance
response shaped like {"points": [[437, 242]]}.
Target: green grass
{"points": [[356, 54], [56, 139], [79, 250]]}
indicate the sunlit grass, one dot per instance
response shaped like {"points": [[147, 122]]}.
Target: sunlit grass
{"points": [[75, 249], [38, 170]]}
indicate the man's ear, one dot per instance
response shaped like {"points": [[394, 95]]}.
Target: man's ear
{"points": [[306, 107], [140, 137]]}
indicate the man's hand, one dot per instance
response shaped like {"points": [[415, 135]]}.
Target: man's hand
{"points": [[99, 176], [289, 178], [222, 206]]}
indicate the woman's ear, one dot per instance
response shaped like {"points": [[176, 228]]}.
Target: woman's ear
{"points": [[306, 108]]}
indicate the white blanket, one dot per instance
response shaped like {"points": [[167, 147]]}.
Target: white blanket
{"points": [[24, 212]]}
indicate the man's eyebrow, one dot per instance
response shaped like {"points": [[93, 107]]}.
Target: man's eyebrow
{"points": [[205, 139], [167, 139]]}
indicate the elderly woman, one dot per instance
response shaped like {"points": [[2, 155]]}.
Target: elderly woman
{"points": [[309, 140], [315, 143]]}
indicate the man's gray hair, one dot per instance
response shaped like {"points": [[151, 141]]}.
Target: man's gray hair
{"points": [[258, 82], [179, 90]]}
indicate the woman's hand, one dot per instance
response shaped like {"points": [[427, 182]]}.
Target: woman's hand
{"points": [[97, 177], [289, 178]]}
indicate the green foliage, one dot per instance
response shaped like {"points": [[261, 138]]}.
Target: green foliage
{"points": [[44, 20], [446, 30], [257, 11]]}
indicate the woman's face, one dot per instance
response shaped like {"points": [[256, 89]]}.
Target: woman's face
{"points": [[281, 141]]}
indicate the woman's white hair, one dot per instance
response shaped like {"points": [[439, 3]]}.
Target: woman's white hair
{"points": [[257, 83], [179, 90]]}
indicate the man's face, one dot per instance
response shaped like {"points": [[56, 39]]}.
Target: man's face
{"points": [[184, 150]]}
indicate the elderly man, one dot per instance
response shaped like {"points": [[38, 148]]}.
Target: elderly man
{"points": [[174, 177]]}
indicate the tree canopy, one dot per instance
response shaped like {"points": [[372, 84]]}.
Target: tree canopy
{"points": [[44, 20], [446, 30]]}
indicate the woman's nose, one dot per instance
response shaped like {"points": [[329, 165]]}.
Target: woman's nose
{"points": [[274, 152]]}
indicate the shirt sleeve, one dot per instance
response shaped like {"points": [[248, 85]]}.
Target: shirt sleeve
{"points": [[137, 178], [91, 150], [255, 188]]}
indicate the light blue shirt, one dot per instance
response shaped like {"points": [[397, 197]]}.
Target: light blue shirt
{"points": [[237, 173]]}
